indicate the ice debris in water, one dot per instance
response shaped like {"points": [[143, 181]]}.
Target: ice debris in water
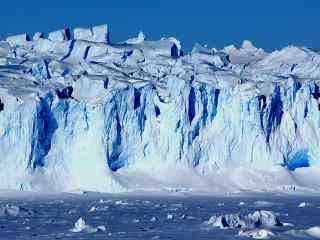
{"points": [[313, 232], [101, 201], [169, 216], [153, 219], [80, 225], [92, 209], [14, 211], [256, 219], [120, 202], [102, 208], [256, 233], [304, 204], [265, 203]]}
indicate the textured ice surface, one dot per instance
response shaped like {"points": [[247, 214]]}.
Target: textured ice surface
{"points": [[256, 219], [86, 113]]}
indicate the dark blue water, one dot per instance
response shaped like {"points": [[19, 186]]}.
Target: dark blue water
{"points": [[129, 217]]}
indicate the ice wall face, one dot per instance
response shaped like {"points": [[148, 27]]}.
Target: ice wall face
{"points": [[74, 112]]}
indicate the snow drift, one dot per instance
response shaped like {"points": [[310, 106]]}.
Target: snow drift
{"points": [[80, 112]]}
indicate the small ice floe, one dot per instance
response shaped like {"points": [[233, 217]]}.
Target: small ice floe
{"points": [[220, 204], [14, 211], [93, 209], [241, 203], [120, 202], [135, 220], [96, 209], [177, 205], [256, 233], [313, 232], [254, 220], [153, 219], [81, 225], [304, 204], [178, 190], [72, 211], [169, 216], [265, 203], [101, 201], [78, 191]]}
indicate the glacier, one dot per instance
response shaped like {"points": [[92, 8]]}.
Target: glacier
{"points": [[78, 111]]}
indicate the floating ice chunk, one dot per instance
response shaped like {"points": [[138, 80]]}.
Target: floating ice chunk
{"points": [[101, 228], [14, 211], [135, 220], [314, 232], [78, 191], [241, 203], [265, 203], [60, 35], [265, 218], [169, 216], [120, 202], [304, 204], [101, 201], [81, 225], [153, 219], [92, 209], [72, 211], [256, 234], [18, 40], [256, 219]]}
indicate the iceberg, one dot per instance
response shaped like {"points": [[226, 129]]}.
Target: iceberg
{"points": [[82, 112], [257, 219]]}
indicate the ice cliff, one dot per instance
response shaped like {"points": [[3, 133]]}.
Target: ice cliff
{"points": [[78, 111]]}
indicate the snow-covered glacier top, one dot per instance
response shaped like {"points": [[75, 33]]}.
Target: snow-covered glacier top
{"points": [[79, 111]]}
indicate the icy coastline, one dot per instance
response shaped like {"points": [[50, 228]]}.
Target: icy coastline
{"points": [[78, 111]]}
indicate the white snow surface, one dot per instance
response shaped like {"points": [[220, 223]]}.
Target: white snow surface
{"points": [[86, 113]]}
